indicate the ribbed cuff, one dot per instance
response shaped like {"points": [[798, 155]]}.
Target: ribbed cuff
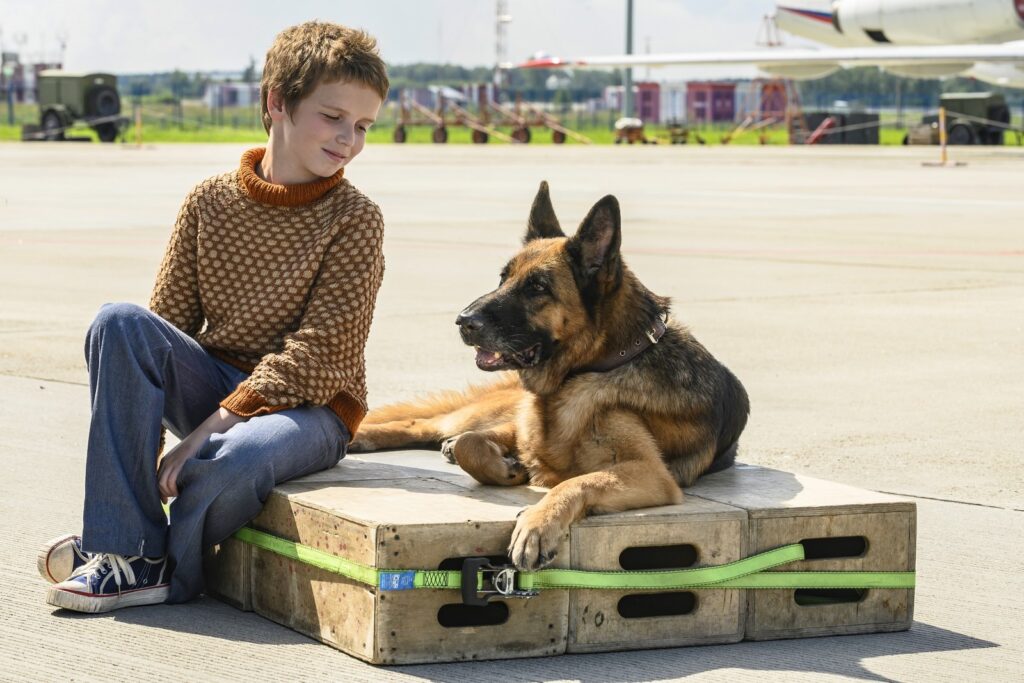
{"points": [[350, 410], [246, 402]]}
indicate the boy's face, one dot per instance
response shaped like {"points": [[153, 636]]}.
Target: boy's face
{"points": [[325, 131]]}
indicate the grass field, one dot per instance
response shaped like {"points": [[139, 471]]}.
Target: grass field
{"points": [[162, 123]]}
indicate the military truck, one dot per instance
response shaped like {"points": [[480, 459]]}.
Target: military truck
{"points": [[972, 118], [65, 98]]}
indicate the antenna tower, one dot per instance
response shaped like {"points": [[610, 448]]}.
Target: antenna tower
{"points": [[502, 20]]}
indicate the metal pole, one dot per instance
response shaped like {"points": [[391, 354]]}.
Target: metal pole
{"points": [[942, 136], [627, 88]]}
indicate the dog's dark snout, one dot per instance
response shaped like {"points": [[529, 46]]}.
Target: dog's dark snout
{"points": [[470, 321]]}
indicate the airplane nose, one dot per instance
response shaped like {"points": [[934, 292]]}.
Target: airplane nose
{"points": [[470, 321]]}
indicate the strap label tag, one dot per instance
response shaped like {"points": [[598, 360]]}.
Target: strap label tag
{"points": [[397, 581]]}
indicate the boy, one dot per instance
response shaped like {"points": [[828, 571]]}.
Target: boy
{"points": [[252, 351]]}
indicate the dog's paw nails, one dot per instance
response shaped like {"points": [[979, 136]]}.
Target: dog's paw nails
{"points": [[534, 541], [448, 449]]}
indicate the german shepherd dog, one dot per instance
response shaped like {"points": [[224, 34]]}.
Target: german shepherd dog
{"points": [[608, 402]]}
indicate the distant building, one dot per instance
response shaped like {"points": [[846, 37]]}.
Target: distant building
{"points": [[673, 102], [646, 100], [21, 78], [710, 102], [231, 94]]}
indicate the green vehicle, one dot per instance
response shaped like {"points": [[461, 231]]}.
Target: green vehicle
{"points": [[971, 117], [65, 98]]}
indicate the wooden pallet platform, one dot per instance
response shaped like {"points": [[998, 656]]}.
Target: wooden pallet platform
{"points": [[422, 514], [842, 528]]}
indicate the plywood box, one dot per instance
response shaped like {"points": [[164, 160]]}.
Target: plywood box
{"points": [[394, 518], [697, 533], [842, 528], [426, 513]]}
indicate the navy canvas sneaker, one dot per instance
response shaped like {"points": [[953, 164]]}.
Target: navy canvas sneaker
{"points": [[60, 557], [108, 582]]}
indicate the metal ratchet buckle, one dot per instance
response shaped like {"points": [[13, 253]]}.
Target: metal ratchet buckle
{"points": [[498, 581]]}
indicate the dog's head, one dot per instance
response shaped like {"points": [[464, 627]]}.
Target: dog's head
{"points": [[550, 298]]}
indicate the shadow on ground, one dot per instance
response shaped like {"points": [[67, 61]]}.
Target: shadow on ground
{"points": [[837, 655]]}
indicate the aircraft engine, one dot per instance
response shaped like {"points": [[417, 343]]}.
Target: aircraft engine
{"points": [[799, 72], [927, 22], [928, 70]]}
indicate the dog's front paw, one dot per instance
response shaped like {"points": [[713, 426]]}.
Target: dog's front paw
{"points": [[536, 539]]}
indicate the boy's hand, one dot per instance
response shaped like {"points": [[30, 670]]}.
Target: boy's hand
{"points": [[171, 464], [170, 467]]}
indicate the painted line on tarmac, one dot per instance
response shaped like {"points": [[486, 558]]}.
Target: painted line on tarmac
{"points": [[951, 500]]}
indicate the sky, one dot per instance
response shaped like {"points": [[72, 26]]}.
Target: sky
{"points": [[211, 35]]}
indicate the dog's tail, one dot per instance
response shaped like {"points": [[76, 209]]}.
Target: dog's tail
{"points": [[735, 408], [723, 460]]}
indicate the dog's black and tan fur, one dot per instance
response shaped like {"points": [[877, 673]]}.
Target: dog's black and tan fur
{"points": [[603, 441]]}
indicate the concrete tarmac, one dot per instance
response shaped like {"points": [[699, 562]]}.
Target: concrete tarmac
{"points": [[873, 307]]}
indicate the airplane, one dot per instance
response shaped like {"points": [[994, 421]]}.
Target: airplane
{"points": [[915, 38]]}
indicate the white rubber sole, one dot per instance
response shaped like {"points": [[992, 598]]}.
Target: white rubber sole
{"points": [[56, 558], [95, 604]]}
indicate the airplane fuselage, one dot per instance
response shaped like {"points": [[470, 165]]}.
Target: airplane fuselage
{"points": [[854, 23], [865, 23]]}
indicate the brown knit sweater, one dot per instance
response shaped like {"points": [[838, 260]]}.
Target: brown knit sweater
{"points": [[279, 280]]}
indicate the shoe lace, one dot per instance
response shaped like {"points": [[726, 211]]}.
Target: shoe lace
{"points": [[118, 565]]}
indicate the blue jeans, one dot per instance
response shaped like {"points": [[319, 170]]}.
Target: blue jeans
{"points": [[144, 372]]}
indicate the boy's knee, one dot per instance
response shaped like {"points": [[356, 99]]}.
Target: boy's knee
{"points": [[117, 316]]}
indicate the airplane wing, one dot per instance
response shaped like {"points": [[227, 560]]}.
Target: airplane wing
{"points": [[810, 63]]}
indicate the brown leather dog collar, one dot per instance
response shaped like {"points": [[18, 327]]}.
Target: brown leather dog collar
{"points": [[651, 336]]}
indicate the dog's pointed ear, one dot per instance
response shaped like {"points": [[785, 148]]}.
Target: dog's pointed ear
{"points": [[542, 222], [596, 242]]}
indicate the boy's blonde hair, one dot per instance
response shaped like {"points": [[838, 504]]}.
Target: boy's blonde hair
{"points": [[304, 56]]}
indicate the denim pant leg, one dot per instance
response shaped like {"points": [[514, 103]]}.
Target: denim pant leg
{"points": [[225, 485], [141, 370]]}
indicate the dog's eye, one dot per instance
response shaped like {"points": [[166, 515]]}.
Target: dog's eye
{"points": [[539, 287], [503, 276]]}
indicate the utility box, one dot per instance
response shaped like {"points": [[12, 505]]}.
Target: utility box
{"points": [[851, 128], [65, 98]]}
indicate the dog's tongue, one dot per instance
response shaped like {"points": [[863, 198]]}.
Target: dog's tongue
{"points": [[487, 357]]}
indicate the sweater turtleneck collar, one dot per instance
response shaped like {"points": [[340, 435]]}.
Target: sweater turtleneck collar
{"points": [[280, 195]]}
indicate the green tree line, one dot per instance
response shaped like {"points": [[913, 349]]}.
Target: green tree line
{"points": [[876, 88], [532, 84], [868, 85]]}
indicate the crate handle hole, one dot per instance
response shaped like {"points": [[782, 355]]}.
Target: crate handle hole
{"points": [[658, 557], [457, 615], [455, 563], [834, 547], [646, 605], [817, 597]]}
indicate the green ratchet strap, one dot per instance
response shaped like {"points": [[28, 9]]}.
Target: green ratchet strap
{"points": [[748, 573]]}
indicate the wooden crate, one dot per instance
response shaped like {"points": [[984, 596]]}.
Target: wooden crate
{"points": [[697, 533], [845, 528], [392, 518]]}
